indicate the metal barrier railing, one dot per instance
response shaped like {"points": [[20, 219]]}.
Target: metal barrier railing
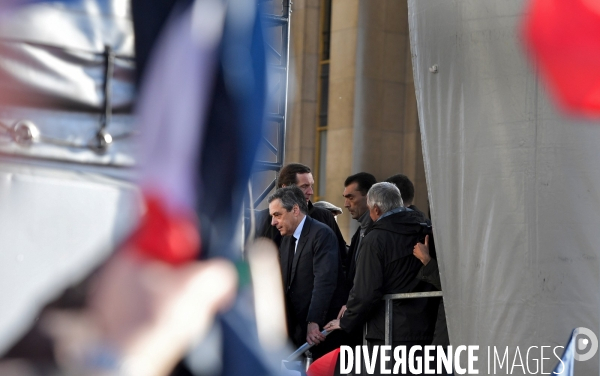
{"points": [[389, 311]]}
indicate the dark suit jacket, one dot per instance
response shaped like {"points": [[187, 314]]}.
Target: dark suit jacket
{"points": [[314, 288], [351, 260]]}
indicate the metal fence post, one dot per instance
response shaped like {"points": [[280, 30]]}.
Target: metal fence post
{"points": [[389, 311]]}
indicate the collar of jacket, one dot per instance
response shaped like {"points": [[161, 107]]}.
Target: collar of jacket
{"points": [[365, 220], [403, 222], [393, 211]]}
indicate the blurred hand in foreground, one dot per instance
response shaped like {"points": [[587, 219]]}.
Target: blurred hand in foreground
{"points": [[142, 315]]}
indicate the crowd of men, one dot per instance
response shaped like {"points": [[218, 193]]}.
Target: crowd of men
{"points": [[337, 287]]}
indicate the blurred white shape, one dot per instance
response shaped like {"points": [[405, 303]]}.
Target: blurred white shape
{"points": [[268, 294]]}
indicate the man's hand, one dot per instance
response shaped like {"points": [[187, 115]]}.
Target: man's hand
{"points": [[342, 310], [421, 251], [313, 335], [333, 325]]}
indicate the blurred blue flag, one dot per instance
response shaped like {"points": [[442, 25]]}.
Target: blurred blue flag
{"points": [[8, 5], [567, 361]]}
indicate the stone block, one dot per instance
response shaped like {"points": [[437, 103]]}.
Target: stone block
{"points": [[411, 115], [341, 104], [310, 77], [339, 153], [312, 29], [307, 156], [343, 54], [371, 54], [394, 60], [369, 101], [392, 153], [308, 126], [298, 29], [393, 107], [344, 14], [372, 14], [369, 158], [396, 16]]}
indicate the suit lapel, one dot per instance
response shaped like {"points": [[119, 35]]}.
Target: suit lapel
{"points": [[301, 243], [283, 259]]}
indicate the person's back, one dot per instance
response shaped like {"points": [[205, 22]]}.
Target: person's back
{"points": [[389, 262]]}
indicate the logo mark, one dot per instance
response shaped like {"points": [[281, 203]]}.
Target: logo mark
{"points": [[582, 344]]}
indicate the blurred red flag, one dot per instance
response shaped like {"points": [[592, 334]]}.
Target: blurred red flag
{"points": [[164, 236], [564, 38], [325, 365]]}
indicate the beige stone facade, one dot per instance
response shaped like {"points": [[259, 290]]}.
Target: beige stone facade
{"points": [[372, 112]]}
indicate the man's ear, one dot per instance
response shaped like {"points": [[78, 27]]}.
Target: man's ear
{"points": [[296, 209]]}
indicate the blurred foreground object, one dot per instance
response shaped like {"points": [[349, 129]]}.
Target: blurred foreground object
{"points": [[564, 38], [269, 305], [67, 81], [199, 114], [66, 126], [327, 365], [145, 328], [169, 237], [142, 316]]}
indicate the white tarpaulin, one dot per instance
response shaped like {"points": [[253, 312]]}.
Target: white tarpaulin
{"points": [[514, 187], [57, 223]]}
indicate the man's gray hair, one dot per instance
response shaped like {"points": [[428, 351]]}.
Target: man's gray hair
{"points": [[289, 197], [386, 196]]}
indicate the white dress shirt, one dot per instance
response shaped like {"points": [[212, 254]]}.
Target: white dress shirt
{"points": [[298, 232]]}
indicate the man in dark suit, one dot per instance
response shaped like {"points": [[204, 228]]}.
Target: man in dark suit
{"points": [[310, 267]]}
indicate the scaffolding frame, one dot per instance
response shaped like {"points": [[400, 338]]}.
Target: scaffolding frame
{"points": [[281, 70]]}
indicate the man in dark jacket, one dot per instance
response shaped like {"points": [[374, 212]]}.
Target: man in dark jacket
{"points": [[310, 268], [355, 200], [386, 265]]}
